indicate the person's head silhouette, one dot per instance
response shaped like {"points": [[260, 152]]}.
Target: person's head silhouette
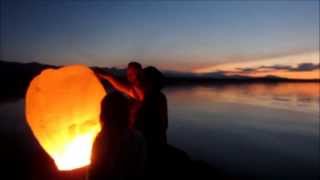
{"points": [[134, 72], [114, 111], [153, 79]]}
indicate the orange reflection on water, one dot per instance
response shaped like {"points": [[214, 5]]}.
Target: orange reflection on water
{"points": [[291, 96], [286, 89]]}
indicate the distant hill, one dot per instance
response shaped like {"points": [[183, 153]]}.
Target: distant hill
{"points": [[15, 77]]}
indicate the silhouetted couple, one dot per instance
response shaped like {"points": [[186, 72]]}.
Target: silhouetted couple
{"points": [[133, 136]]}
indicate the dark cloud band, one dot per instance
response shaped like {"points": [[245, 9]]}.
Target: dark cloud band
{"points": [[299, 68]]}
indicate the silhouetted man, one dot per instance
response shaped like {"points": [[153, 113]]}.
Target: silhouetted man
{"points": [[134, 89]]}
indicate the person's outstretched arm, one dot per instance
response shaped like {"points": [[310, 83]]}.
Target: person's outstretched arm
{"points": [[117, 84]]}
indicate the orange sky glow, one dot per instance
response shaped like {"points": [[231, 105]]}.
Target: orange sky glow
{"points": [[255, 68]]}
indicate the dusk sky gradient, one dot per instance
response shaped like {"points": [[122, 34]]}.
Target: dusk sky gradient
{"points": [[184, 35]]}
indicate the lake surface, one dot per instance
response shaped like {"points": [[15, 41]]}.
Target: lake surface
{"points": [[260, 130]]}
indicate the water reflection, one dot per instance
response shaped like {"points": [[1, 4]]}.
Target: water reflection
{"points": [[12, 116], [267, 131], [303, 97]]}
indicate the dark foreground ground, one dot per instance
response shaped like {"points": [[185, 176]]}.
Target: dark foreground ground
{"points": [[22, 159]]}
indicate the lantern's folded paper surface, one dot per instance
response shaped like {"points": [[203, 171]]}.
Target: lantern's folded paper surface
{"points": [[62, 110]]}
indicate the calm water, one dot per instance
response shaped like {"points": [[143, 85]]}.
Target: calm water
{"points": [[261, 130]]}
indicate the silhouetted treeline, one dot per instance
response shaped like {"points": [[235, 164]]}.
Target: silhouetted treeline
{"points": [[15, 77]]}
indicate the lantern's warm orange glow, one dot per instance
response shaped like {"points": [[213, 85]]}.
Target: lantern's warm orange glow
{"points": [[62, 109]]}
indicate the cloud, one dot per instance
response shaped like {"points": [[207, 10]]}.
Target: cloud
{"points": [[250, 64], [306, 67], [247, 69], [299, 68], [276, 67]]}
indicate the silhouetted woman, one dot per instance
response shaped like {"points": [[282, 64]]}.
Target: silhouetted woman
{"points": [[164, 161], [152, 122], [118, 152], [152, 119]]}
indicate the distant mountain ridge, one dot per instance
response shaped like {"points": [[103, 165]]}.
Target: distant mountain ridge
{"points": [[16, 76]]}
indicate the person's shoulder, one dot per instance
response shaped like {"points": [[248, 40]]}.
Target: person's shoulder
{"points": [[98, 142], [98, 137], [161, 94], [162, 97]]}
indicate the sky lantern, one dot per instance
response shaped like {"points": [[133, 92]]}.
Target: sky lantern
{"points": [[62, 110]]}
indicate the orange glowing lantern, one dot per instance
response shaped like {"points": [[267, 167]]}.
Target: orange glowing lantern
{"points": [[62, 110]]}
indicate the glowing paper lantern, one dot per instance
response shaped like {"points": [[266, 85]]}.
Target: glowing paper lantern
{"points": [[62, 109]]}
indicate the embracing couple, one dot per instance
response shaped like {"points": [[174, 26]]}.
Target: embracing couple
{"points": [[134, 121]]}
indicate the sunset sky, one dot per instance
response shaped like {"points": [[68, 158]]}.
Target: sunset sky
{"points": [[254, 38]]}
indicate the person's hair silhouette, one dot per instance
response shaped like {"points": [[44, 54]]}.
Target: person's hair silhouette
{"points": [[118, 152], [153, 79]]}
